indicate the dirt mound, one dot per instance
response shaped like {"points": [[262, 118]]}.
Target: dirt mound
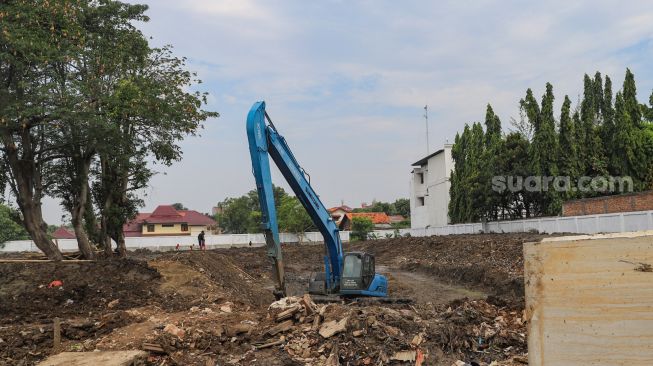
{"points": [[90, 303], [87, 288], [492, 261], [216, 276]]}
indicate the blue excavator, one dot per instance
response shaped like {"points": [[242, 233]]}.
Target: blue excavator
{"points": [[346, 274]]}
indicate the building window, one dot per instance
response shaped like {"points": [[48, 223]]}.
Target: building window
{"points": [[420, 178], [168, 225], [420, 201], [184, 227], [150, 228]]}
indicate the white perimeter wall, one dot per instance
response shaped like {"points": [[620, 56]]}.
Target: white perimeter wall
{"points": [[590, 224]]}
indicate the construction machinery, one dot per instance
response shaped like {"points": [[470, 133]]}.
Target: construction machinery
{"points": [[346, 274]]}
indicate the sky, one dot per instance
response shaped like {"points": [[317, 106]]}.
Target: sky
{"points": [[346, 82]]}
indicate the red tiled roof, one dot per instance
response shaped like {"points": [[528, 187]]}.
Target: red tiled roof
{"points": [[343, 207], [376, 217], [196, 218], [166, 214], [63, 233]]}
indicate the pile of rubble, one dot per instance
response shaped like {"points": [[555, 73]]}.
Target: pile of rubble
{"points": [[324, 335], [297, 329]]}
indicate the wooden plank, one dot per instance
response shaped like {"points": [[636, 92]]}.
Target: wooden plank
{"points": [[102, 358], [588, 300], [56, 342]]}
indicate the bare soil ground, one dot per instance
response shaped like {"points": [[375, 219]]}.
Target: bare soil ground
{"points": [[208, 308]]}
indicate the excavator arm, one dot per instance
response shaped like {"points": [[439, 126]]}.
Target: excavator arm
{"points": [[265, 140]]}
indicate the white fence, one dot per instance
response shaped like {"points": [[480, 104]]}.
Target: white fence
{"points": [[170, 242], [590, 224]]}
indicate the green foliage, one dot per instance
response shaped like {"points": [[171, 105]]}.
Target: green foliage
{"points": [[238, 216], [361, 227], [568, 156], [10, 226], [400, 206], [292, 216], [594, 139], [86, 106], [405, 224], [179, 206], [243, 214]]}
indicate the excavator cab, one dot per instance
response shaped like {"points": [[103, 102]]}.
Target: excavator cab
{"points": [[359, 276]]}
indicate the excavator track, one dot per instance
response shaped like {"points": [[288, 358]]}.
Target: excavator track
{"points": [[325, 299]]}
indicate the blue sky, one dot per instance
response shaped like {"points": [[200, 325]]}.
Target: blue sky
{"points": [[346, 81]]}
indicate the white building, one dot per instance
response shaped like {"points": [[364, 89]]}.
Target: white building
{"points": [[429, 189]]}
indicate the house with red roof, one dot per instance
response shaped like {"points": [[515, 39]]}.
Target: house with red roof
{"points": [[379, 219], [63, 233], [338, 213], [165, 220]]}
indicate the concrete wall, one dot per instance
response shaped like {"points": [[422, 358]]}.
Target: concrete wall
{"points": [[434, 191], [639, 201], [170, 242], [588, 300], [587, 224]]}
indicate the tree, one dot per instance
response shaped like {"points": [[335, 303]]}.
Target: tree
{"points": [[493, 146], [593, 139], [10, 226], [568, 157], [292, 216], [376, 206], [401, 206], [37, 38], [361, 227], [243, 214], [179, 207], [593, 161], [543, 151], [513, 162], [237, 216], [150, 112]]}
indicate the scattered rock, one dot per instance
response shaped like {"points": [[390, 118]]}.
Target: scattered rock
{"points": [[226, 307], [174, 330], [331, 328], [234, 330], [113, 304], [404, 356]]}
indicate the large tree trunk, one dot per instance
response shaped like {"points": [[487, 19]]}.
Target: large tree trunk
{"points": [[120, 240], [79, 209], [27, 186], [37, 230]]}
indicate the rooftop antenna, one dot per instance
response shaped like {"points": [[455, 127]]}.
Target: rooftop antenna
{"points": [[426, 120]]}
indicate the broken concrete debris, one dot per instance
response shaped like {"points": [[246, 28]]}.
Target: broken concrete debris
{"points": [[174, 330], [333, 327]]}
